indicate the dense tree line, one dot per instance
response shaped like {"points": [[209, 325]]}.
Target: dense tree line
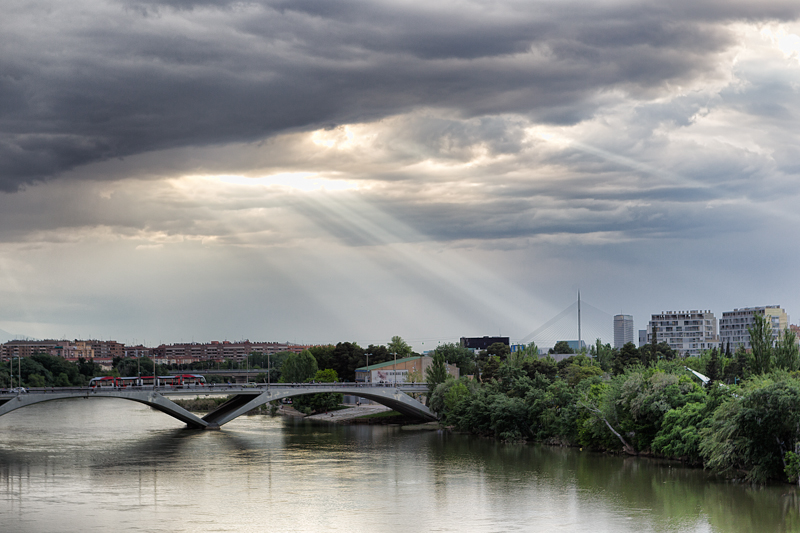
{"points": [[744, 423], [44, 370]]}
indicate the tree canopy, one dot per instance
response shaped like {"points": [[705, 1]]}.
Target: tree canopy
{"points": [[299, 367]]}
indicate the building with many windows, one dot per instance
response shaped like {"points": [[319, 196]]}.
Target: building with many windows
{"points": [[733, 324], [186, 353], [481, 343], [623, 330], [686, 332], [27, 348]]}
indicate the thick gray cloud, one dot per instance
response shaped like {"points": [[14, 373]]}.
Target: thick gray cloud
{"points": [[178, 164], [93, 80]]}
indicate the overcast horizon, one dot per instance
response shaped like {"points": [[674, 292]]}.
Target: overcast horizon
{"points": [[314, 172]]}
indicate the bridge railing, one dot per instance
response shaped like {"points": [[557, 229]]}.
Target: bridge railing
{"points": [[216, 387]]}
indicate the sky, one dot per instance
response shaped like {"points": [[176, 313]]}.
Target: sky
{"points": [[314, 171]]}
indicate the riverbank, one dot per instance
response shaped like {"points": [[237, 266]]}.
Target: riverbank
{"points": [[348, 414], [372, 414]]}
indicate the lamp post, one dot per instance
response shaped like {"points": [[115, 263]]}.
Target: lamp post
{"points": [[395, 369]]}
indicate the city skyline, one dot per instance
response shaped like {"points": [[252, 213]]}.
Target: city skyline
{"points": [[308, 172], [622, 330]]}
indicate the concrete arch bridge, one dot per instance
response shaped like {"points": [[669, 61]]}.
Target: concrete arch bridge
{"points": [[243, 398]]}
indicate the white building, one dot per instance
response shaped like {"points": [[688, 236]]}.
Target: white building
{"points": [[686, 332], [623, 330], [733, 324]]}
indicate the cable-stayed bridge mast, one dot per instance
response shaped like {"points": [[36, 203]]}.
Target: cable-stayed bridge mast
{"points": [[592, 323]]}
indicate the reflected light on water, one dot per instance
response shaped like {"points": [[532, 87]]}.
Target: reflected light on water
{"points": [[94, 465]]}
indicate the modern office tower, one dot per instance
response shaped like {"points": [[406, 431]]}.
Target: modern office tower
{"points": [[686, 332], [733, 324], [623, 330], [642, 337]]}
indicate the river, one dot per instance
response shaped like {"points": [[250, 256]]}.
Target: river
{"points": [[111, 465]]}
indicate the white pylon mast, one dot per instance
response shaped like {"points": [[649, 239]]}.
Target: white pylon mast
{"points": [[579, 322]]}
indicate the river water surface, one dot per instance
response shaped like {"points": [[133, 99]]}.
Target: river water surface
{"points": [[112, 465]]}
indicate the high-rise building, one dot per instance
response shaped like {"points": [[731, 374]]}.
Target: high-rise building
{"points": [[733, 324], [623, 330], [686, 332]]}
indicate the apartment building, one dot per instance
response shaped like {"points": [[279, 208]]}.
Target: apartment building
{"points": [[221, 350], [733, 324], [28, 348], [107, 349], [686, 332]]}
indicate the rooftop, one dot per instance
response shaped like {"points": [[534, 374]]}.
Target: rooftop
{"points": [[387, 363]]}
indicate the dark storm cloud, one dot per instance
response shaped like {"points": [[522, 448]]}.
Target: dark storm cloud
{"points": [[89, 81]]}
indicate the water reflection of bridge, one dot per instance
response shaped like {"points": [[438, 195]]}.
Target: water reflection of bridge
{"points": [[242, 399]]}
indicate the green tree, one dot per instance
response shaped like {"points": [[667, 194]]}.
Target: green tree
{"points": [[662, 353], [436, 373], [299, 367], [325, 356], [455, 354], [578, 368], [787, 355], [633, 404], [760, 360], [531, 350], [604, 354], [733, 371], [754, 432], [323, 401], [131, 366], [36, 380], [347, 356], [258, 360], [399, 347], [445, 399], [681, 429], [713, 371], [628, 356], [561, 347], [491, 369], [544, 366], [498, 349], [326, 376]]}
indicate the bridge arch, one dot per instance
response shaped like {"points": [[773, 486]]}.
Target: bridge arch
{"points": [[149, 398], [242, 400], [389, 396]]}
